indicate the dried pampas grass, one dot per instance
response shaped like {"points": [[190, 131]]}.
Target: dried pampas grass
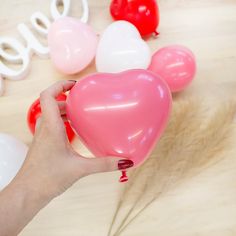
{"points": [[196, 136]]}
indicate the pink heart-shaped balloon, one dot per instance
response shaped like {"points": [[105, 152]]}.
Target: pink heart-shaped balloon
{"points": [[72, 44], [120, 114]]}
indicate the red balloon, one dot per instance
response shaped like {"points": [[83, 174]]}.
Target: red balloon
{"points": [[34, 113], [144, 14]]}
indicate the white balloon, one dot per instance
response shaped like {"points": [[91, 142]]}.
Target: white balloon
{"points": [[122, 48], [12, 156]]}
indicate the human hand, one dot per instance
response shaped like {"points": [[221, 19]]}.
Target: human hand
{"points": [[51, 163], [51, 166]]}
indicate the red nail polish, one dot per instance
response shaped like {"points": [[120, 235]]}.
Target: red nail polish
{"points": [[124, 164]]}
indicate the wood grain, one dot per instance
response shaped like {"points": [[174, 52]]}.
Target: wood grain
{"points": [[203, 205]]}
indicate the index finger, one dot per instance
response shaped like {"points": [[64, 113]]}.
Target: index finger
{"points": [[49, 106]]}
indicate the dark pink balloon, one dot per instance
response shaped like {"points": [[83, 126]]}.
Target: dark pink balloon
{"points": [[120, 114], [176, 65]]}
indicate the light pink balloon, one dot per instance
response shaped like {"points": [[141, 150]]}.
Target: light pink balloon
{"points": [[72, 44], [176, 65], [120, 114]]}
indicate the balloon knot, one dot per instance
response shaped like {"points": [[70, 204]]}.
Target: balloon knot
{"points": [[124, 177], [155, 33]]}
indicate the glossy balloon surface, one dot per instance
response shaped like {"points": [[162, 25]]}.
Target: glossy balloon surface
{"points": [[120, 114], [144, 14], [34, 113], [122, 48], [72, 44], [176, 65], [12, 156]]}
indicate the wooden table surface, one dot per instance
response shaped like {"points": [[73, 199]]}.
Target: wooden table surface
{"points": [[204, 205]]}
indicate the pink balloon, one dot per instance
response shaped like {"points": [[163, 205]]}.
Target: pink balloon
{"points": [[72, 44], [176, 65], [120, 114]]}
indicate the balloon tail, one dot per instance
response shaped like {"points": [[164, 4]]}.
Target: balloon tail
{"points": [[124, 177], [155, 33]]}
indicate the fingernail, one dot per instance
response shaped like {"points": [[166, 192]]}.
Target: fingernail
{"points": [[125, 164]]}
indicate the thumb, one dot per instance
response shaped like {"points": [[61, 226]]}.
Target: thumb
{"points": [[106, 164]]}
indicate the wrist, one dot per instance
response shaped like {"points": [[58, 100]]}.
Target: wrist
{"points": [[28, 194], [19, 204]]}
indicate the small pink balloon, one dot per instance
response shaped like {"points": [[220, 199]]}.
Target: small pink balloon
{"points": [[72, 44], [120, 114], [176, 65]]}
